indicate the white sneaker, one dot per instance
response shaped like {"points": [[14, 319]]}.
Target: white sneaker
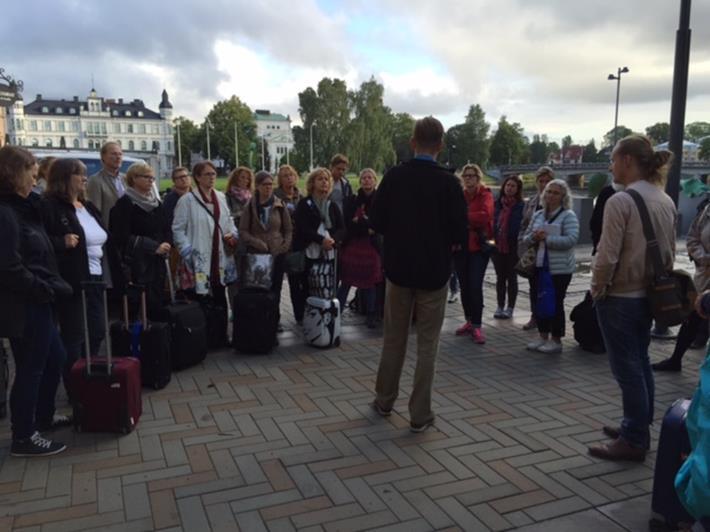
{"points": [[536, 344], [453, 297], [509, 313], [550, 347]]}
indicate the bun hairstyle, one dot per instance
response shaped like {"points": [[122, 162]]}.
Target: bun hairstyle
{"points": [[652, 163]]}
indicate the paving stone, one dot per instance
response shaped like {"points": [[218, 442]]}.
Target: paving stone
{"points": [[589, 520], [164, 509], [136, 502], [221, 518]]}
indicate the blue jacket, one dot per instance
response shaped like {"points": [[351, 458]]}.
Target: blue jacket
{"points": [[516, 217], [560, 248]]}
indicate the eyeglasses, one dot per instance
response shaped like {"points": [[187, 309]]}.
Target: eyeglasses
{"points": [[472, 176], [147, 176], [183, 176]]}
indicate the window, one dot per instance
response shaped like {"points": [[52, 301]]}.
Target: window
{"points": [[140, 113], [156, 145], [90, 128], [48, 143], [45, 109], [141, 128], [156, 129], [19, 142], [130, 128], [75, 126], [131, 145], [115, 113], [170, 148], [72, 111], [76, 143], [48, 125], [128, 113], [59, 110], [103, 128], [117, 128], [61, 126], [33, 125], [144, 145], [35, 142]]}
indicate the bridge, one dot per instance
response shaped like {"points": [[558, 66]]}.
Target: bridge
{"points": [[696, 169]]}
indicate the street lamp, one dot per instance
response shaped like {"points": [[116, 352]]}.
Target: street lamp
{"points": [[311, 130], [179, 144], [617, 78]]}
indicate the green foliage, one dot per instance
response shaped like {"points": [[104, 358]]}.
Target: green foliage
{"points": [[223, 116], [540, 149], [402, 127], [659, 132], [697, 130], [189, 138], [369, 139], [596, 183], [704, 152], [469, 142], [509, 145], [566, 141], [590, 152], [621, 132]]}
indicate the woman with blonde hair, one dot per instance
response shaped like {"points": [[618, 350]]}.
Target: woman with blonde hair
{"points": [[238, 192]]}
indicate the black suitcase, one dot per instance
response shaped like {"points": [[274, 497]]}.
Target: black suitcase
{"points": [[255, 321], [216, 320], [4, 379], [673, 448], [586, 326], [188, 330], [152, 347]]}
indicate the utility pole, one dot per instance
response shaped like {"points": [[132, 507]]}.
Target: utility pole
{"points": [[619, 72], [236, 146], [179, 144], [209, 125]]}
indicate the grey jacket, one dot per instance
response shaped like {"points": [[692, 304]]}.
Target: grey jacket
{"points": [[101, 191], [560, 248]]}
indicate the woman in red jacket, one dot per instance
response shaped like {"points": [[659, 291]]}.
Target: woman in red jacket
{"points": [[471, 263]]}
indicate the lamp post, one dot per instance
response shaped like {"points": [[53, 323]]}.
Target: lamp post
{"points": [[311, 130], [209, 126], [617, 78], [179, 144], [236, 146]]}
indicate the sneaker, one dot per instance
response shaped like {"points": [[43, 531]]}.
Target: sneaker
{"points": [[36, 445], [499, 314], [508, 313], [550, 347], [465, 329], [381, 411], [536, 344], [668, 364], [58, 421], [530, 325], [453, 297], [478, 336], [420, 428]]}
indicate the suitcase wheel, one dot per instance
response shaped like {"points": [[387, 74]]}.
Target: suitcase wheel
{"points": [[337, 342]]}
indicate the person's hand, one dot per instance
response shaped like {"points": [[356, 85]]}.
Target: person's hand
{"points": [[328, 244], [699, 304], [370, 232], [539, 235], [71, 240], [163, 249]]}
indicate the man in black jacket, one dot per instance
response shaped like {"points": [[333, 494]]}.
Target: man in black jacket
{"points": [[421, 212]]}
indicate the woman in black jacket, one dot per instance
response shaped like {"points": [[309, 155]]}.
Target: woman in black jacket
{"points": [[506, 226], [319, 227], [29, 284], [74, 226], [138, 228]]}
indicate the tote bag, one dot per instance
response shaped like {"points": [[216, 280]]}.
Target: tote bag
{"points": [[545, 304]]}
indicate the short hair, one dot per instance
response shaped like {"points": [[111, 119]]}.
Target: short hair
{"points": [[368, 171], [59, 178], [428, 132], [200, 167], [653, 164], [282, 171], [13, 162], [544, 170], [234, 175], [566, 199], [261, 176], [136, 169], [44, 165], [339, 158], [178, 169], [518, 182], [311, 180], [107, 145]]}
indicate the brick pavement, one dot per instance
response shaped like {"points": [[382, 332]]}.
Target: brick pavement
{"points": [[288, 442]]}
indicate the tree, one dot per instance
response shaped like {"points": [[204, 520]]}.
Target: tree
{"points": [[469, 142], [590, 152], [697, 130], [621, 132], [509, 145], [659, 132], [189, 138], [402, 128], [566, 141], [223, 116], [704, 152], [539, 149], [369, 140]]}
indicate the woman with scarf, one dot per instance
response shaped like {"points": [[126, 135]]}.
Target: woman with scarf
{"points": [[319, 227], [506, 225], [360, 261], [205, 235], [265, 227], [239, 191], [138, 229]]}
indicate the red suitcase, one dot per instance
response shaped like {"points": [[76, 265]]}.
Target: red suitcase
{"points": [[107, 391]]}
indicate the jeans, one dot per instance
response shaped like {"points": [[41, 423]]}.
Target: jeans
{"points": [[556, 324], [626, 324], [506, 278], [429, 306], [39, 359], [471, 268]]}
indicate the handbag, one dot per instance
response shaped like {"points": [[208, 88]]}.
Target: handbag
{"points": [[525, 267], [545, 305], [488, 245], [295, 262], [258, 271], [671, 294]]}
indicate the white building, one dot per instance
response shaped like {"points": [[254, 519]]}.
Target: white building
{"points": [[88, 124], [275, 129], [691, 151]]}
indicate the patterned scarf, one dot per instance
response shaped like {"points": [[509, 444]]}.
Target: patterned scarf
{"points": [[214, 257], [506, 203]]}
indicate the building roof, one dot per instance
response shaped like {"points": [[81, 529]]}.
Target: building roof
{"points": [[164, 102], [114, 106], [687, 145], [261, 114]]}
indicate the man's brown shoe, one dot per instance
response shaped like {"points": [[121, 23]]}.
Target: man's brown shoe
{"points": [[618, 450], [611, 432]]}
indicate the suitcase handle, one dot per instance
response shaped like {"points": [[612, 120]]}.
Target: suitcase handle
{"points": [[109, 363], [171, 286]]}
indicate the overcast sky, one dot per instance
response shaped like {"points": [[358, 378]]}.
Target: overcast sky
{"points": [[543, 63]]}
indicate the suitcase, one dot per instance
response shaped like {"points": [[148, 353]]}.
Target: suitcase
{"points": [[4, 378], [321, 320], [673, 448], [255, 321], [107, 391], [216, 321], [148, 341], [586, 327], [188, 329]]}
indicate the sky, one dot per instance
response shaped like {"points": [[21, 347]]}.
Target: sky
{"points": [[541, 63]]}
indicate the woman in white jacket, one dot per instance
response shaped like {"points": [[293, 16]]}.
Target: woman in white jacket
{"points": [[205, 246], [555, 227]]}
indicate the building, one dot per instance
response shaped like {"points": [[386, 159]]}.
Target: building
{"points": [[274, 131], [691, 151], [572, 154], [88, 124]]}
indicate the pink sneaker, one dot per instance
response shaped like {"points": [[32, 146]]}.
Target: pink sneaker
{"points": [[465, 329], [478, 336]]}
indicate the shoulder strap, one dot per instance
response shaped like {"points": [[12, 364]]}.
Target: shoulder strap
{"points": [[555, 216], [214, 218], [648, 232]]}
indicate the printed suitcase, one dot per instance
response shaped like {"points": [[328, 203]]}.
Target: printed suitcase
{"points": [[255, 321], [673, 448], [321, 321], [107, 391]]}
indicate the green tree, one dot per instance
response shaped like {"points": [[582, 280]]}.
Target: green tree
{"points": [[552, 149], [402, 128], [469, 142], [189, 138], [659, 132], [223, 116], [697, 130], [539, 149], [509, 145], [621, 132], [590, 152], [704, 152], [369, 132], [566, 141]]}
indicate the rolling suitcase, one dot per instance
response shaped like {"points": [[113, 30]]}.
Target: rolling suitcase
{"points": [[321, 321], [107, 391], [188, 329], [4, 378], [255, 321], [673, 448]]}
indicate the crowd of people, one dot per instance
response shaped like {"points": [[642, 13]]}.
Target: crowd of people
{"points": [[410, 235]]}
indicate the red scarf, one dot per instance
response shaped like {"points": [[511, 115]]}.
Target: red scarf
{"points": [[214, 257], [502, 242]]}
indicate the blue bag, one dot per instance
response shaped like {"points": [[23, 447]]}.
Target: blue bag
{"points": [[545, 304], [692, 483]]}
